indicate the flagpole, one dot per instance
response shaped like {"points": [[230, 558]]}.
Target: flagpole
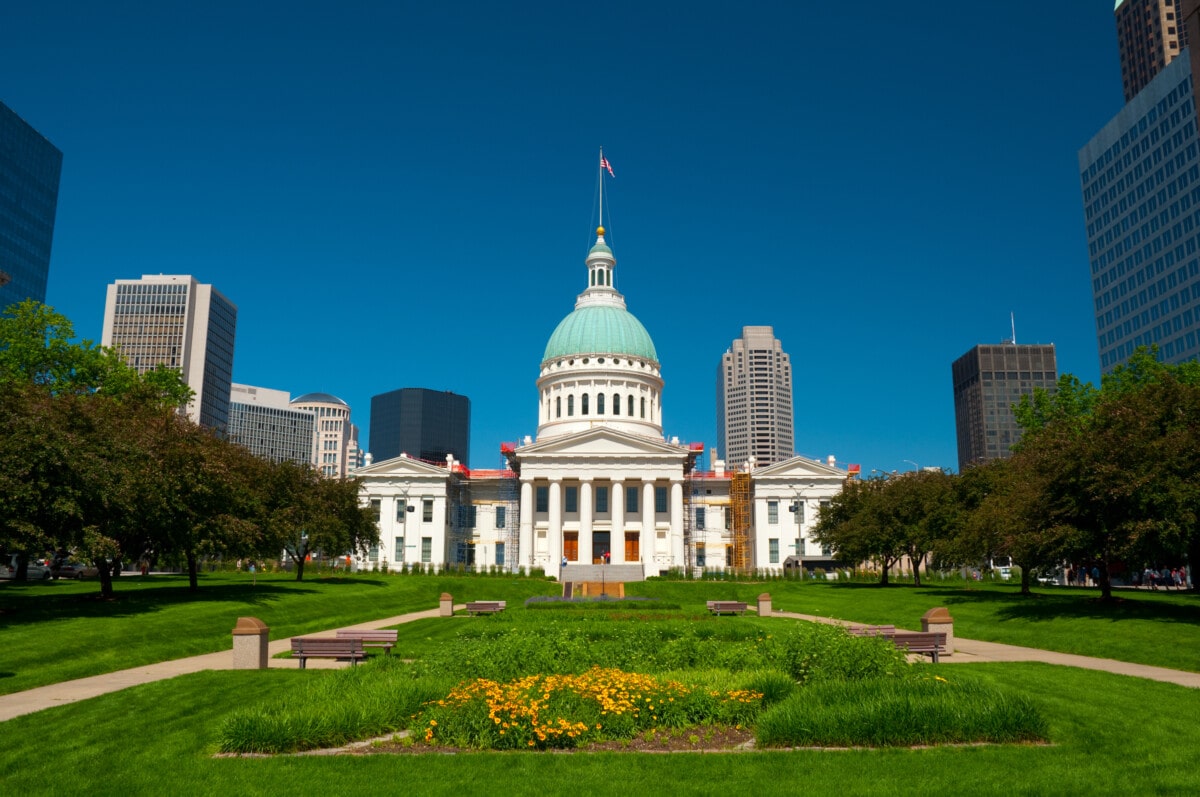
{"points": [[600, 166]]}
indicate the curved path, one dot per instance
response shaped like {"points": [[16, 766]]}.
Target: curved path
{"points": [[965, 651]]}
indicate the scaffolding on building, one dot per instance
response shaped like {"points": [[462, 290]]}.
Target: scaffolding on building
{"points": [[509, 497], [739, 508]]}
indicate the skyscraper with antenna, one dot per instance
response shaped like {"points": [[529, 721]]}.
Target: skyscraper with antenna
{"points": [[988, 381]]}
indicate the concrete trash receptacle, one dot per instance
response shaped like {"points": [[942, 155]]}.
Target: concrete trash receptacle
{"points": [[764, 605], [446, 605], [250, 637], [939, 621]]}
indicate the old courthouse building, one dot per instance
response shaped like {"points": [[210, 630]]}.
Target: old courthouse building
{"points": [[599, 477]]}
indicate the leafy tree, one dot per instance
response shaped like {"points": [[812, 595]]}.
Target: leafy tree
{"points": [[306, 513], [1118, 466], [855, 524]]}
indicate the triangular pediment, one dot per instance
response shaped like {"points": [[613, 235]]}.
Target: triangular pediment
{"points": [[798, 468], [600, 442], [402, 466]]}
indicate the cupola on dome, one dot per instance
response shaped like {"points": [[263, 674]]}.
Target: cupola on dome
{"points": [[600, 324]]}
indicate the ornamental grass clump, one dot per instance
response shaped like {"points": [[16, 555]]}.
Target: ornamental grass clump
{"points": [[890, 712], [331, 709], [539, 712]]}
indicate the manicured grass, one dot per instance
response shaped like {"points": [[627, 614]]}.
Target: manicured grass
{"points": [[1110, 735], [1157, 628], [56, 631]]}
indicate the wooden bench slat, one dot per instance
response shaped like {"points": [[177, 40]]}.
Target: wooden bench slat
{"points": [[305, 648]]}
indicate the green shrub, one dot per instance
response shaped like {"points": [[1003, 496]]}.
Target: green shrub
{"points": [[899, 712]]}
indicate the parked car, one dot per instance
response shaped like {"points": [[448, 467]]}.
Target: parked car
{"points": [[74, 570], [36, 570]]}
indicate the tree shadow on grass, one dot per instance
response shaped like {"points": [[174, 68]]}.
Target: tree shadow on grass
{"points": [[21, 607], [1060, 603]]}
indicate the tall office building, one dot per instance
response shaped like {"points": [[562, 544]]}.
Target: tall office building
{"points": [[264, 421], [30, 167], [425, 424], [988, 381], [754, 400], [1150, 35], [334, 449], [1140, 178], [174, 321]]}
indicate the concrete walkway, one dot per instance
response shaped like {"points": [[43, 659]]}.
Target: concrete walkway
{"points": [[965, 651], [59, 694]]}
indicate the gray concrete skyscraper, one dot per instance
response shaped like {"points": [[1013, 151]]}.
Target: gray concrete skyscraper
{"points": [[174, 321], [30, 167], [754, 400]]}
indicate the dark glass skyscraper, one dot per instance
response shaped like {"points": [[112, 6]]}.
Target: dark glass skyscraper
{"points": [[29, 170], [425, 424], [988, 381]]}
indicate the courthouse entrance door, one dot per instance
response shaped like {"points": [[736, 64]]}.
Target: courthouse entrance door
{"points": [[571, 546], [600, 544], [632, 549]]}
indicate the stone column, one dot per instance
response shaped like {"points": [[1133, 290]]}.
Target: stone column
{"points": [[554, 540], [525, 541], [677, 557], [585, 522], [617, 536], [649, 538]]}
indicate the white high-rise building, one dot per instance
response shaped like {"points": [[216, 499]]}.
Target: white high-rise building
{"points": [[754, 400], [174, 321], [335, 440], [263, 420]]}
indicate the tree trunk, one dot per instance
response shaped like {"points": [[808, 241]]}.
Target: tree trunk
{"points": [[1025, 580], [193, 578], [300, 568], [917, 570], [1105, 581], [883, 578], [104, 571], [1193, 557]]}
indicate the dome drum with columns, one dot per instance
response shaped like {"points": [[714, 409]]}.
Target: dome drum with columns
{"points": [[600, 486]]}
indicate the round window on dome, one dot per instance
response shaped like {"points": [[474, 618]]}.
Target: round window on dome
{"points": [[600, 360], [585, 360]]}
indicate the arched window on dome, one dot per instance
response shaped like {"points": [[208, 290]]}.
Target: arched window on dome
{"points": [[599, 403], [558, 407], [616, 403], [570, 406], [643, 406], [583, 404]]}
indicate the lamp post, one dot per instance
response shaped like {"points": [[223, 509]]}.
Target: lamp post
{"points": [[915, 465]]}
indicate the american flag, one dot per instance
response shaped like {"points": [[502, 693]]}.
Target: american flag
{"points": [[605, 165]]}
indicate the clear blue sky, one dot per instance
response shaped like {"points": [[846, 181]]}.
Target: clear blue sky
{"points": [[401, 195]]}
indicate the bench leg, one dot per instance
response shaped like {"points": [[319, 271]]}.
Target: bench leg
{"points": [[302, 660]]}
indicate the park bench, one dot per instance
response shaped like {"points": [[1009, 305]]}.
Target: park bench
{"points": [[315, 647], [485, 607], [372, 639], [930, 643], [726, 607]]}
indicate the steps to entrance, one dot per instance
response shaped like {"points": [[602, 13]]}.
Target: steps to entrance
{"points": [[607, 573]]}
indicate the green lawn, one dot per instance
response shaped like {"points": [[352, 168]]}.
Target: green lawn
{"points": [[57, 630], [1108, 737], [1158, 628]]}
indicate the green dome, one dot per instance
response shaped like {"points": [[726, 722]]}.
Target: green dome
{"points": [[600, 329]]}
